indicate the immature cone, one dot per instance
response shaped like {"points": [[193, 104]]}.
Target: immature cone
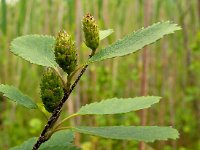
{"points": [[51, 90], [65, 52], [91, 31]]}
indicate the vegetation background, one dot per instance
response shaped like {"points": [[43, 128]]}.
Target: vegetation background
{"points": [[170, 68]]}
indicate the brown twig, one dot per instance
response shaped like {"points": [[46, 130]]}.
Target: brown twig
{"points": [[56, 113]]}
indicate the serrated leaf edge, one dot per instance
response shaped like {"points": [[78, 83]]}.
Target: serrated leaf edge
{"points": [[27, 59], [123, 99], [20, 93], [175, 136], [139, 30]]}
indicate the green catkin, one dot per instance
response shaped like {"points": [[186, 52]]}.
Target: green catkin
{"points": [[65, 52], [51, 90], [91, 31]]}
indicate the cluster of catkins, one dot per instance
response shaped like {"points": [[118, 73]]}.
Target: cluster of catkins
{"points": [[66, 56]]}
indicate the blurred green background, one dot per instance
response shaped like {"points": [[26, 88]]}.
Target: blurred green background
{"points": [[173, 68]]}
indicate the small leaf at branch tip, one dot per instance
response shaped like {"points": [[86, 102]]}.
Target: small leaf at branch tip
{"points": [[105, 33]]}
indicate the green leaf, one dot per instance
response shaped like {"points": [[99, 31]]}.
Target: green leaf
{"points": [[105, 33], [139, 133], [37, 49], [61, 140], [118, 105], [15, 95], [135, 41], [27, 145]]}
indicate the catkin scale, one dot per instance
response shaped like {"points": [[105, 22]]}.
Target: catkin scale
{"points": [[65, 52], [91, 31], [51, 90]]}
